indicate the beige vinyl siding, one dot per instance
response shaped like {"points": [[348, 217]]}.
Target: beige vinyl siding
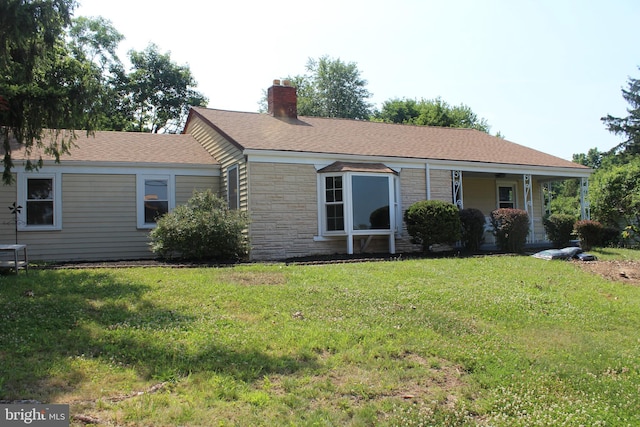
{"points": [[538, 211], [186, 185], [99, 219], [226, 153], [479, 193], [98, 222], [7, 221]]}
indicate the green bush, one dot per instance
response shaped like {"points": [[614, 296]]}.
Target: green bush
{"points": [[472, 221], [611, 237], [559, 229], [203, 229], [589, 232], [432, 222], [511, 228]]}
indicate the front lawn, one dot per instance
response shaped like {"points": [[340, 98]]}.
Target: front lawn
{"points": [[500, 341]]}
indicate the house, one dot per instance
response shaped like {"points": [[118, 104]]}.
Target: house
{"points": [[311, 185], [99, 203]]}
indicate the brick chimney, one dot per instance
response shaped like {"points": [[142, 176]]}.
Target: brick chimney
{"points": [[282, 100]]}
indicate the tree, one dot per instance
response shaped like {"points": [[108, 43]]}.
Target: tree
{"points": [[161, 91], [629, 126], [431, 112], [41, 85], [615, 196], [96, 40], [593, 158], [332, 89]]}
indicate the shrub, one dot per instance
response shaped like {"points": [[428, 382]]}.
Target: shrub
{"points": [[559, 229], [472, 221], [589, 232], [611, 237], [432, 222], [511, 228], [203, 229]]}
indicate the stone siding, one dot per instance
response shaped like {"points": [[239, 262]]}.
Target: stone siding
{"points": [[283, 210]]}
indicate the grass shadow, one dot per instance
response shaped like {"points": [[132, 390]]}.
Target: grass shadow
{"points": [[49, 318]]}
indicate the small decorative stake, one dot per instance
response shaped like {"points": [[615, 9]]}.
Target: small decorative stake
{"points": [[15, 210]]}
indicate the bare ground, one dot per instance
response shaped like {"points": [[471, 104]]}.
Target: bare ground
{"points": [[623, 271]]}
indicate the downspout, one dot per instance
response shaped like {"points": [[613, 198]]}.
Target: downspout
{"points": [[428, 180]]}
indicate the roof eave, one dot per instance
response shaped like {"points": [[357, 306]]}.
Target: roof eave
{"points": [[471, 166]]}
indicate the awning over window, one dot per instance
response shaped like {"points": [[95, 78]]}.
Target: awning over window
{"points": [[357, 167]]}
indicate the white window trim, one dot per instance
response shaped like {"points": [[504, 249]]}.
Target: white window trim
{"points": [[22, 200], [394, 205], [140, 193], [512, 184], [233, 169]]}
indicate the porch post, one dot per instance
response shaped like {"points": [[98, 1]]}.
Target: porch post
{"points": [[456, 177], [528, 205], [585, 208]]}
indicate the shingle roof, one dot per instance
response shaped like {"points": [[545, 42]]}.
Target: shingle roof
{"points": [[256, 131], [107, 146]]}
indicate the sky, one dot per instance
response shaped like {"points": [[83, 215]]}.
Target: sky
{"points": [[541, 72]]}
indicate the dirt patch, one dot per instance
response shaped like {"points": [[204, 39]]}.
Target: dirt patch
{"points": [[248, 278], [622, 271]]}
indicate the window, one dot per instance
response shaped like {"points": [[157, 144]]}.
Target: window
{"points": [[357, 203], [155, 198], [233, 194], [334, 203], [370, 202], [39, 197], [507, 196]]}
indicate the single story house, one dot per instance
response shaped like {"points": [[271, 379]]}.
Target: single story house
{"points": [[311, 185], [99, 203]]}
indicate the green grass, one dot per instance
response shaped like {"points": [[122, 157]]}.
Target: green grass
{"points": [[500, 341]]}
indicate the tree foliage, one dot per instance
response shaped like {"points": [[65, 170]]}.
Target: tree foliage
{"points": [[160, 92], [59, 74], [629, 126], [95, 40], [615, 196], [42, 86], [592, 159], [332, 88], [430, 112]]}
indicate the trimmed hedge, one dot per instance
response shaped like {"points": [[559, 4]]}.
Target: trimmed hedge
{"points": [[511, 228], [472, 221], [559, 229], [432, 222], [203, 229], [589, 232]]}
